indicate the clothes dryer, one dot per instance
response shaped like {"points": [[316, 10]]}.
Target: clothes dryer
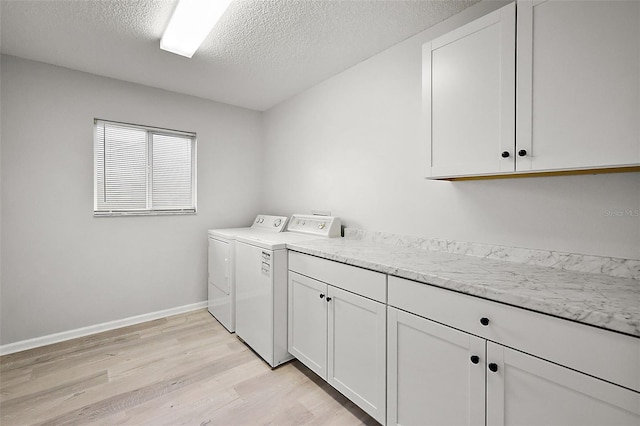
{"points": [[221, 265]]}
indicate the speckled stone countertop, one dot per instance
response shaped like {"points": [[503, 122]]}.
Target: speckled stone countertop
{"points": [[600, 300]]}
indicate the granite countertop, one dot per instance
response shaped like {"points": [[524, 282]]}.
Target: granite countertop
{"points": [[600, 300]]}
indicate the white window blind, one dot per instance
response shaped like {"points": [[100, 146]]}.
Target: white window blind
{"points": [[143, 170]]}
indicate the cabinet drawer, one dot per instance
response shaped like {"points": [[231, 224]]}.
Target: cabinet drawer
{"points": [[608, 355], [351, 278]]}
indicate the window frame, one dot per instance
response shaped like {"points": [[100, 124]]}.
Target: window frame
{"points": [[148, 210]]}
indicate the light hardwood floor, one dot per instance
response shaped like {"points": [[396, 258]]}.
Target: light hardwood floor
{"points": [[184, 369]]}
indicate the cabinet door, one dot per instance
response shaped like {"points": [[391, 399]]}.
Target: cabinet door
{"points": [[357, 350], [526, 390], [307, 328], [578, 84], [432, 380], [219, 265], [469, 97], [220, 292]]}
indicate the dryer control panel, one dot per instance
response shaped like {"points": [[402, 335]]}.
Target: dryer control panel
{"points": [[269, 223], [322, 226]]}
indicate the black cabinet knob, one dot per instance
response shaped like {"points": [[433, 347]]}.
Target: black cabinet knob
{"points": [[328, 299], [493, 367], [321, 296], [484, 321], [522, 152], [505, 154], [475, 359]]}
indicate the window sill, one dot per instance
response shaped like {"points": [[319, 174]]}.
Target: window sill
{"points": [[143, 213]]}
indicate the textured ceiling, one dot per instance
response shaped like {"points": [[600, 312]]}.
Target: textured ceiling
{"points": [[261, 52]]}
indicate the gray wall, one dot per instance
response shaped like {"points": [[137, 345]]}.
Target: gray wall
{"points": [[62, 268], [353, 145]]}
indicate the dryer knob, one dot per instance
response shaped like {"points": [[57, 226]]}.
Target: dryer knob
{"points": [[277, 222]]}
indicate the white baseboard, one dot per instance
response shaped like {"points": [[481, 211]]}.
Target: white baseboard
{"points": [[98, 328]]}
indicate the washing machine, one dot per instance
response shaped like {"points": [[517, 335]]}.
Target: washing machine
{"points": [[221, 265], [261, 283]]}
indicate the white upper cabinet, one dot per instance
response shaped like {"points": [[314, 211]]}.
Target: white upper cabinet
{"points": [[468, 96], [578, 84], [573, 104]]}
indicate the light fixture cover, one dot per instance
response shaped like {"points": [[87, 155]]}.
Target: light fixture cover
{"points": [[190, 24]]}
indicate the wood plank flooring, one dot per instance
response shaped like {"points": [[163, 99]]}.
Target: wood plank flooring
{"points": [[185, 369]]}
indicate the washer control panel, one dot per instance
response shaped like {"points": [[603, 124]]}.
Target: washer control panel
{"points": [[270, 223], [325, 226]]}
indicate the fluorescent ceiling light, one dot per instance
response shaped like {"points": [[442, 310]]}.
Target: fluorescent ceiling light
{"points": [[190, 24]]}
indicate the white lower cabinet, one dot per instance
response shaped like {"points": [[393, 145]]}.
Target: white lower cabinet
{"points": [[409, 353], [525, 390], [341, 336], [307, 328], [431, 379], [357, 350], [438, 375]]}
